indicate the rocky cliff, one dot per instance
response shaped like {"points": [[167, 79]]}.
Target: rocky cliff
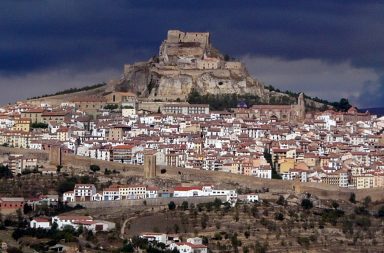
{"points": [[187, 61]]}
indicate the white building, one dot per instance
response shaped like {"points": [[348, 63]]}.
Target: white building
{"points": [[158, 237], [84, 192], [40, 223], [187, 247]]}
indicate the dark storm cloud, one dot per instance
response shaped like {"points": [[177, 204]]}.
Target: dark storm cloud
{"points": [[91, 36]]}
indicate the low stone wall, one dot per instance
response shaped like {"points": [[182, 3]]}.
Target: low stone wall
{"points": [[39, 154], [149, 202], [83, 162], [210, 177]]}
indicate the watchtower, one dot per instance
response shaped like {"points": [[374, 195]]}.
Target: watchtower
{"points": [[55, 155], [150, 164]]}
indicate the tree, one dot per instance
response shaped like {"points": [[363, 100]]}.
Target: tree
{"points": [[204, 220], [5, 172], [281, 201], [380, 213], [279, 216], [184, 205], [27, 208], [335, 205], [306, 204], [171, 205], [94, 168], [343, 105], [176, 228], [352, 198], [367, 201]]}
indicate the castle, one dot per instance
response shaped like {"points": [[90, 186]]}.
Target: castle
{"points": [[193, 50]]}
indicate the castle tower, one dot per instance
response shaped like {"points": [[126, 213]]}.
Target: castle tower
{"points": [[300, 108], [55, 155], [149, 164]]}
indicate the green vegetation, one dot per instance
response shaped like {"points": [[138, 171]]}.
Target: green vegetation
{"points": [[306, 204], [352, 198], [94, 168], [39, 125], [227, 101], [171, 205], [72, 90], [111, 107], [221, 102], [5, 172], [343, 105]]}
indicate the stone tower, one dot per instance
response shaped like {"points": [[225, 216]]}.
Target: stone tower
{"points": [[55, 155], [300, 108], [150, 164]]}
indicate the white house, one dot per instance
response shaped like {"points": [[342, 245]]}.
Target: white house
{"points": [[77, 221], [68, 196], [84, 192], [158, 237], [187, 247], [252, 197], [40, 223]]}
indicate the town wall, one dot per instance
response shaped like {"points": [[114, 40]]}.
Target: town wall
{"points": [[149, 202], [322, 191], [41, 155], [176, 36]]}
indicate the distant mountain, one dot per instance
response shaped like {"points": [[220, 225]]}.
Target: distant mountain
{"points": [[379, 111]]}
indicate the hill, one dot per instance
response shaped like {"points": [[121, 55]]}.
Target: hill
{"points": [[187, 64]]}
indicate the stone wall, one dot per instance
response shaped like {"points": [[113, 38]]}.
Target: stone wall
{"points": [[41, 155], [210, 177], [149, 202]]}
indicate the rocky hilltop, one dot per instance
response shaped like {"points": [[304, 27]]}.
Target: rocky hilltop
{"points": [[187, 61]]}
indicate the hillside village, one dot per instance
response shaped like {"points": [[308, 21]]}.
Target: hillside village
{"points": [[143, 123], [266, 141]]}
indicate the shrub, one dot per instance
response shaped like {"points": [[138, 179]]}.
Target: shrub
{"points": [[352, 198], [306, 204], [171, 205], [94, 168]]}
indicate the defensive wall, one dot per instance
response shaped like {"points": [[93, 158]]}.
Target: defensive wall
{"points": [[210, 177], [39, 154], [149, 202]]}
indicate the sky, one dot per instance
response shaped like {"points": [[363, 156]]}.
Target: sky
{"points": [[326, 49]]}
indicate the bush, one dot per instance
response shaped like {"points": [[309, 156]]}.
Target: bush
{"points": [[352, 198], [279, 216], [380, 212], [5, 172], [184, 205], [303, 241], [171, 205], [39, 125], [111, 107], [94, 168], [281, 201], [306, 204]]}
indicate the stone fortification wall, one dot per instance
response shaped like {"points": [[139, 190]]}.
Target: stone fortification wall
{"points": [[41, 155], [176, 36], [81, 162], [149, 202], [211, 177]]}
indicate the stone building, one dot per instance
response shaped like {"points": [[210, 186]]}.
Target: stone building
{"points": [[281, 112]]}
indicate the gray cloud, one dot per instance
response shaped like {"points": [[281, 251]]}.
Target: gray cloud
{"points": [[318, 78], [99, 35]]}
